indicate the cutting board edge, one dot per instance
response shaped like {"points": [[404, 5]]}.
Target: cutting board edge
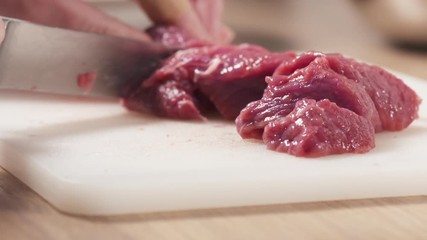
{"points": [[70, 203]]}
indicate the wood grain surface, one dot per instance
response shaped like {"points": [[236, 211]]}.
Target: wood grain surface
{"points": [[329, 25]]}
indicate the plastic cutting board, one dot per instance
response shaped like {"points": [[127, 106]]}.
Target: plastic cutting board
{"points": [[93, 157]]}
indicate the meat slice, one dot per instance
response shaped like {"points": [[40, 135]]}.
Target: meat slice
{"points": [[311, 105], [228, 76], [396, 103], [308, 84], [315, 129], [170, 99], [235, 76], [314, 81]]}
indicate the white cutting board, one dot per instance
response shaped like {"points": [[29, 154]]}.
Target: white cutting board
{"points": [[93, 157]]}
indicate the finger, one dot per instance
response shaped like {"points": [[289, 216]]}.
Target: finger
{"points": [[210, 14], [175, 12], [72, 14], [226, 35], [191, 23], [2, 30]]}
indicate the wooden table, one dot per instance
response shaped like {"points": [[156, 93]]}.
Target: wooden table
{"points": [[304, 24]]}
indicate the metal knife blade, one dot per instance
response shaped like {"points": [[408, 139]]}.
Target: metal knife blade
{"points": [[54, 60]]}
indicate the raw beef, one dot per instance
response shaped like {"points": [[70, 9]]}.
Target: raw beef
{"points": [[287, 121], [321, 128], [311, 105], [229, 77], [396, 103], [314, 81]]}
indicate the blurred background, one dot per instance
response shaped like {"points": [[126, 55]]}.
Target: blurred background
{"points": [[390, 33]]}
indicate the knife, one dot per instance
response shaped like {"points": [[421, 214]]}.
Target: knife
{"points": [[60, 61]]}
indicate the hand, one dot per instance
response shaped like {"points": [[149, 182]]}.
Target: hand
{"points": [[210, 13], [71, 14], [78, 15], [199, 18]]}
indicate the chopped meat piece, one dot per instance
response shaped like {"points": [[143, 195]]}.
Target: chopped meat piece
{"points": [[315, 129], [235, 76], [396, 103], [369, 92], [311, 105], [314, 81], [229, 76], [170, 99]]}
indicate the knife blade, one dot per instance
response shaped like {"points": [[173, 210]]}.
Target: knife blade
{"points": [[60, 61]]}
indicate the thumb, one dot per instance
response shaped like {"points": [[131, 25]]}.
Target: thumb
{"points": [[2, 30]]}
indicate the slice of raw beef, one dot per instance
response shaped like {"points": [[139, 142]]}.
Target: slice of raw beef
{"points": [[396, 103], [315, 129], [228, 76], [308, 84], [312, 104], [317, 81]]}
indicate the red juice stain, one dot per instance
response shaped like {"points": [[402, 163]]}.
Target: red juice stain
{"points": [[86, 81]]}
